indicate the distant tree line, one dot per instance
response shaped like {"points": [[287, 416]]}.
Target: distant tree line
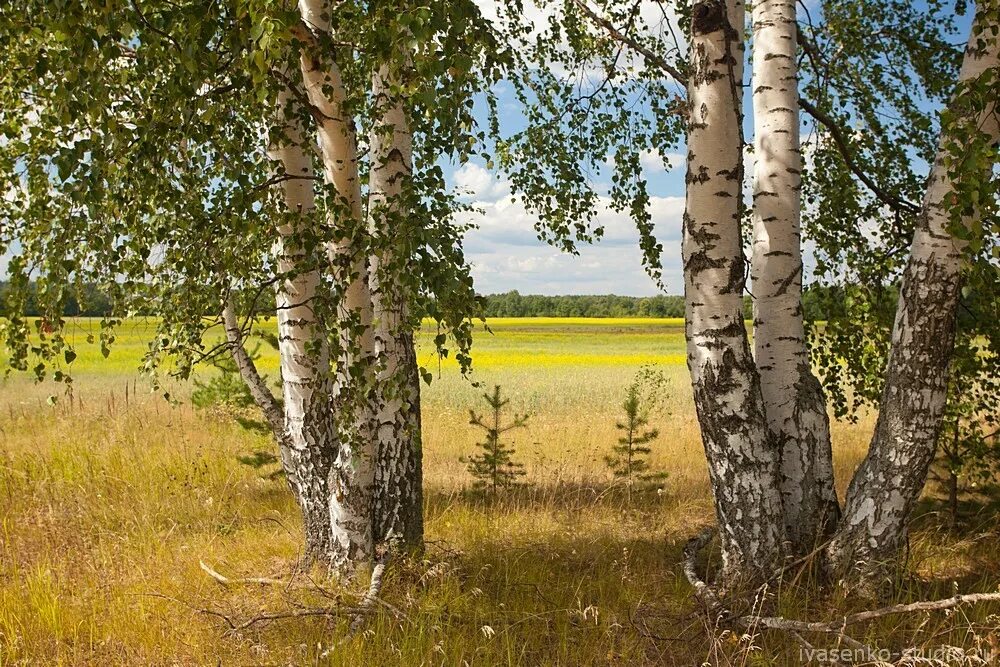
{"points": [[819, 303], [515, 304], [86, 301]]}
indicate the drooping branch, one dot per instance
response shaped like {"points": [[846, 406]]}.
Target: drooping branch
{"points": [[894, 202], [262, 396], [651, 56]]}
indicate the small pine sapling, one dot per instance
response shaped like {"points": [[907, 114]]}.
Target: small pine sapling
{"points": [[495, 467], [628, 462]]}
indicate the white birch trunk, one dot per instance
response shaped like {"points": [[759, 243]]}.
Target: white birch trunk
{"points": [[743, 466], [312, 443], [793, 398], [890, 479], [398, 475], [353, 475]]}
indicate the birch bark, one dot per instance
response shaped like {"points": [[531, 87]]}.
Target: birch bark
{"points": [[312, 441], [743, 465], [352, 477], [890, 479], [793, 398], [398, 475]]}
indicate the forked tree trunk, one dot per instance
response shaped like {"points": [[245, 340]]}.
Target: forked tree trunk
{"points": [[743, 464], [890, 479], [312, 440], [351, 501], [398, 474], [793, 398]]}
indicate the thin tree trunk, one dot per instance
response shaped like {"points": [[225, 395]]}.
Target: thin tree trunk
{"points": [[743, 464], [351, 501], [890, 479], [398, 474], [952, 499], [261, 394], [793, 398], [312, 442]]}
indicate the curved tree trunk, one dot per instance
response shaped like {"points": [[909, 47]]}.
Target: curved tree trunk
{"points": [[890, 479], [352, 477], [793, 398], [312, 442], [743, 464], [398, 474]]}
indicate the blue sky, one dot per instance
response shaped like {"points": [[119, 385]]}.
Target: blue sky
{"points": [[506, 254]]}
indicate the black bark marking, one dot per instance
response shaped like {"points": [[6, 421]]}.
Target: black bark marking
{"points": [[708, 16], [700, 261], [737, 276], [787, 282]]}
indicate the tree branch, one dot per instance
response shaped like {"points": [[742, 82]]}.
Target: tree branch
{"points": [[894, 202], [837, 627], [651, 56], [897, 204], [248, 371]]}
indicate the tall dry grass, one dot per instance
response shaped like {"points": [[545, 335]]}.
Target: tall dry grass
{"points": [[107, 505]]}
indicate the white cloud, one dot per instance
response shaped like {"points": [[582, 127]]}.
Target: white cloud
{"points": [[506, 253], [476, 182]]}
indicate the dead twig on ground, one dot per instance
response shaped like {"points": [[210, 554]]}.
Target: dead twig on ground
{"points": [[724, 618], [226, 581]]}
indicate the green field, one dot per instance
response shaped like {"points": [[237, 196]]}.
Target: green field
{"points": [[109, 500]]}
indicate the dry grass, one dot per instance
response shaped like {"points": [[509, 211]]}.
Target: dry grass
{"points": [[107, 506]]}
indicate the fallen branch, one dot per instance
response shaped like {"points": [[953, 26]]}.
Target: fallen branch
{"points": [[235, 626], [328, 612], [780, 623], [838, 627], [226, 581], [199, 610]]}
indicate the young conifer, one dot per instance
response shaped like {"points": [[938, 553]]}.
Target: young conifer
{"points": [[628, 462], [495, 467]]}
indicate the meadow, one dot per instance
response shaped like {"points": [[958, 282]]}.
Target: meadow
{"points": [[110, 499]]}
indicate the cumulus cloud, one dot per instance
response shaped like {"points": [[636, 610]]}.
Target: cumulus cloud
{"points": [[476, 182], [506, 253]]}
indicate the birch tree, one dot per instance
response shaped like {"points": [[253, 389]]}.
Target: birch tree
{"points": [[743, 463], [197, 155], [891, 477], [782, 404], [309, 435], [399, 493], [352, 475], [797, 418]]}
